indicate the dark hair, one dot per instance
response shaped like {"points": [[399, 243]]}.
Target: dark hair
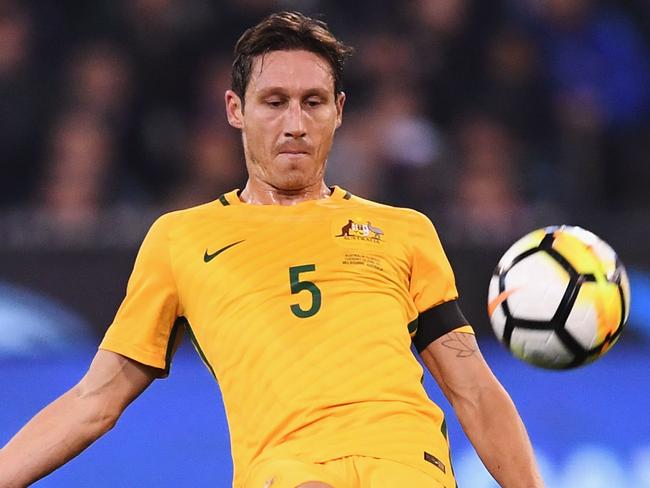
{"points": [[290, 31]]}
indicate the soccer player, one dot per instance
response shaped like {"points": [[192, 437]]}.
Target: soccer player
{"points": [[303, 300]]}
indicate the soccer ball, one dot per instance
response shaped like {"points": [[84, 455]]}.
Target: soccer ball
{"points": [[559, 297]]}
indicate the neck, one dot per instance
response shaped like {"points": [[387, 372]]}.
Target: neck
{"points": [[256, 193]]}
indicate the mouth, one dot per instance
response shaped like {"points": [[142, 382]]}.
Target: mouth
{"points": [[293, 149]]}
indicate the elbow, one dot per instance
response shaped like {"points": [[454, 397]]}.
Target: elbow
{"points": [[468, 402], [108, 422], [97, 412], [473, 403], [104, 421]]}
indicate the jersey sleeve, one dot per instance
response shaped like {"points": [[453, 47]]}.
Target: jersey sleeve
{"points": [[433, 288], [432, 279], [145, 326]]}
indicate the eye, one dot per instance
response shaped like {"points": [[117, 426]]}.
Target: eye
{"points": [[313, 102], [274, 102]]}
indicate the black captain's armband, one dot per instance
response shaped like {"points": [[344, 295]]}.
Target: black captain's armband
{"points": [[436, 322]]}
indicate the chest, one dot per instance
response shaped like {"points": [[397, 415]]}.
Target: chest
{"points": [[284, 260]]}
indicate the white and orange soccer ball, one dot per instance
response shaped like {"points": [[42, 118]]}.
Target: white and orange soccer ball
{"points": [[559, 297]]}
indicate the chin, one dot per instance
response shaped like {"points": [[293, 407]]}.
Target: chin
{"points": [[293, 184], [297, 176], [295, 181]]}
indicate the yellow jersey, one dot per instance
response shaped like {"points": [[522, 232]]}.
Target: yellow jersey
{"points": [[304, 314]]}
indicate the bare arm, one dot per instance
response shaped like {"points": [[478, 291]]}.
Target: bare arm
{"points": [[75, 420], [484, 409]]}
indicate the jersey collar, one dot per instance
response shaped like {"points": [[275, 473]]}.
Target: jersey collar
{"points": [[232, 197]]}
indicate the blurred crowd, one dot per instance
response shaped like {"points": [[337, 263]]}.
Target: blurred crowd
{"points": [[488, 116]]}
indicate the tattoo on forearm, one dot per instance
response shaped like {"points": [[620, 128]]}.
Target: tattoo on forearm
{"points": [[457, 341]]}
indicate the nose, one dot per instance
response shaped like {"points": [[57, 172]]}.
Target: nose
{"points": [[295, 124]]}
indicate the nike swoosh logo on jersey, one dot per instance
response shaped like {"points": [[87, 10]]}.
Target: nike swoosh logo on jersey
{"points": [[209, 257]]}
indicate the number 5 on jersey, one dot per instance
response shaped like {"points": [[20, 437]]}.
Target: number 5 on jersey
{"points": [[298, 285]]}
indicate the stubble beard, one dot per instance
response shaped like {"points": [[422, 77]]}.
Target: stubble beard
{"points": [[290, 178]]}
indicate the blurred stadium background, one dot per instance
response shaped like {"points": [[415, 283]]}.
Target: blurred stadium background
{"points": [[494, 118]]}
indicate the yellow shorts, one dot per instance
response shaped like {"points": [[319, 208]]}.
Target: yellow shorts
{"points": [[347, 472]]}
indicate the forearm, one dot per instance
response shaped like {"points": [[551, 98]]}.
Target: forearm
{"points": [[55, 435], [494, 427]]}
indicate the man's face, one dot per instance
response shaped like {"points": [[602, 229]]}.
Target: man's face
{"points": [[289, 118]]}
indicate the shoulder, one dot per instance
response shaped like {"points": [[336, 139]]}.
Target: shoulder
{"points": [[188, 216], [408, 216], [177, 222]]}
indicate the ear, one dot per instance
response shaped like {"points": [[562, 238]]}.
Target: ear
{"points": [[234, 109], [340, 101]]}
